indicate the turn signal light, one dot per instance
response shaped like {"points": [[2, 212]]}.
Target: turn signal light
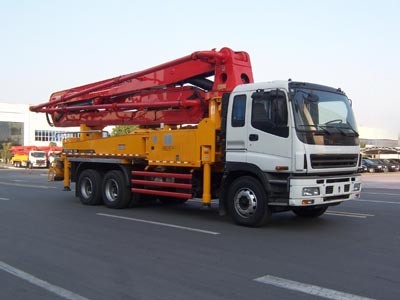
{"points": [[281, 168], [307, 202]]}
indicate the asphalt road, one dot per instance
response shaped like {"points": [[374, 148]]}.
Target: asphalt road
{"points": [[52, 247]]}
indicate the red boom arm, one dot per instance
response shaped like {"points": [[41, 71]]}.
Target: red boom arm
{"points": [[172, 93]]}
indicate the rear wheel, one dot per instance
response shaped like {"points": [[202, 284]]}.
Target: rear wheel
{"points": [[247, 202], [116, 193], [89, 187], [309, 212]]}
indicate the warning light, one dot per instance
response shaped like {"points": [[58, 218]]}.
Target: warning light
{"points": [[307, 202]]}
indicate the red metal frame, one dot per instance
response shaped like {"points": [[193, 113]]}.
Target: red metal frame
{"points": [[162, 174], [149, 181], [172, 93], [162, 193]]}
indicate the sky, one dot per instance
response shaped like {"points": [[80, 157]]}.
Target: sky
{"points": [[52, 45]]}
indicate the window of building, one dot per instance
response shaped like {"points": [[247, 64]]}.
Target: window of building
{"points": [[12, 132], [49, 136]]}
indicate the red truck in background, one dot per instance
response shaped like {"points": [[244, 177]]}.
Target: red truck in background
{"points": [[33, 156]]}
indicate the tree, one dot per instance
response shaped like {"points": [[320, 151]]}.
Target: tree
{"points": [[123, 129], [5, 152]]}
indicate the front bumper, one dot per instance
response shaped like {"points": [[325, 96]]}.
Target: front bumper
{"points": [[332, 189]]}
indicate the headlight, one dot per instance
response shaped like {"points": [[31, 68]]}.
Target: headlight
{"points": [[357, 187], [311, 191]]}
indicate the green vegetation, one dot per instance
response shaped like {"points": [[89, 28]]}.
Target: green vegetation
{"points": [[123, 129], [5, 152]]}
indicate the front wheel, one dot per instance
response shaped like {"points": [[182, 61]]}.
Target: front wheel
{"points": [[309, 212], [247, 202], [116, 193]]}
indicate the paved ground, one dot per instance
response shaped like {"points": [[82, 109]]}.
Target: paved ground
{"points": [[52, 247]]}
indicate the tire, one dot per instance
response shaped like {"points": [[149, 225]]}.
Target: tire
{"points": [[116, 193], [247, 202], [309, 212], [89, 187]]}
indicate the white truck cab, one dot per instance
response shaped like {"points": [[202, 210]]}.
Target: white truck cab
{"points": [[301, 138], [37, 159]]}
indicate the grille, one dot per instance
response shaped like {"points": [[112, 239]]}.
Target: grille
{"points": [[329, 190], [340, 197], [333, 180], [324, 161]]}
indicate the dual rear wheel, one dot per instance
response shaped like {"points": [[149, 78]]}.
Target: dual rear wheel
{"points": [[112, 190]]}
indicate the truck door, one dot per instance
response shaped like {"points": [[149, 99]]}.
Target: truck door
{"points": [[236, 136], [269, 142]]}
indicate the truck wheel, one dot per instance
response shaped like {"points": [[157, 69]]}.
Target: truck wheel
{"points": [[309, 212], [116, 194], [247, 202], [89, 187]]}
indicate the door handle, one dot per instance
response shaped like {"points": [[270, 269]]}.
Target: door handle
{"points": [[253, 137]]}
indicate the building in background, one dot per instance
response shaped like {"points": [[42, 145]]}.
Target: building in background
{"points": [[378, 137], [22, 127], [12, 123], [379, 142]]}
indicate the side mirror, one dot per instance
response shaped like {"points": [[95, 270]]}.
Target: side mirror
{"points": [[351, 102]]}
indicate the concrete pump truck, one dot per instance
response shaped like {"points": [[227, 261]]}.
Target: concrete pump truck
{"points": [[205, 130]]}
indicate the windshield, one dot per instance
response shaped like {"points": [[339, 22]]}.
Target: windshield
{"points": [[38, 154], [323, 113]]}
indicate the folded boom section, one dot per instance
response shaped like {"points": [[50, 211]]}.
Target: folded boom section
{"points": [[172, 93]]}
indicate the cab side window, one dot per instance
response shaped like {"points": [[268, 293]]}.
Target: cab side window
{"points": [[269, 112], [239, 111]]}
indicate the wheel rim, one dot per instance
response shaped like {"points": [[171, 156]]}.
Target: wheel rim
{"points": [[112, 190], [245, 203], [87, 188]]}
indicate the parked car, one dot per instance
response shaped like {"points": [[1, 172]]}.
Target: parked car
{"points": [[390, 166], [394, 165], [363, 168], [374, 166], [396, 161]]}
